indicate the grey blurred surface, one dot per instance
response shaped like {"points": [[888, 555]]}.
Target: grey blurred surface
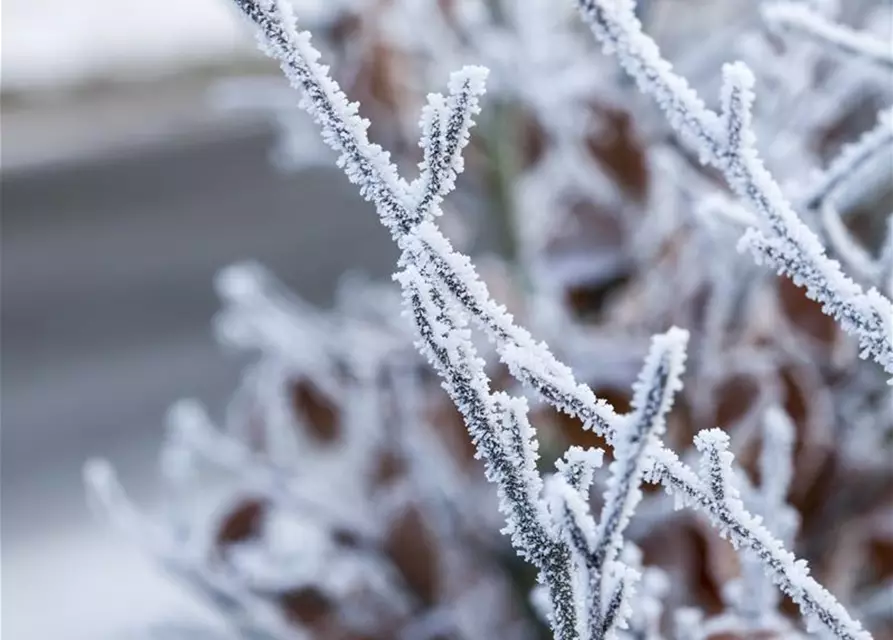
{"points": [[107, 268]]}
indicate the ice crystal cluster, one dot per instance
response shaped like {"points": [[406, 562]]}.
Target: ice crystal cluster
{"points": [[355, 507]]}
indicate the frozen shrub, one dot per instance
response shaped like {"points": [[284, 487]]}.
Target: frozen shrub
{"points": [[357, 514]]}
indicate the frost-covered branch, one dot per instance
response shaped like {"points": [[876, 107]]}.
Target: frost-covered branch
{"points": [[598, 547], [800, 19], [184, 557], [365, 164], [758, 601], [658, 382], [445, 133], [870, 157], [852, 254], [726, 142], [871, 152], [435, 278], [499, 429], [777, 469], [716, 465], [578, 466]]}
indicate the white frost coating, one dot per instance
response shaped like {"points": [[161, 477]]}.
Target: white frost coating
{"points": [[646, 621], [758, 601], [776, 456], [872, 151], [716, 465], [106, 495], [573, 522], [285, 557], [502, 436], [445, 125], [364, 163], [868, 158], [688, 624], [598, 549], [852, 254], [782, 238], [442, 292], [108, 498], [800, 19], [736, 107], [654, 390], [183, 557], [189, 424], [578, 466]]}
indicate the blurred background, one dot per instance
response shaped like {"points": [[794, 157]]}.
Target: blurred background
{"points": [[122, 194], [133, 168]]}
